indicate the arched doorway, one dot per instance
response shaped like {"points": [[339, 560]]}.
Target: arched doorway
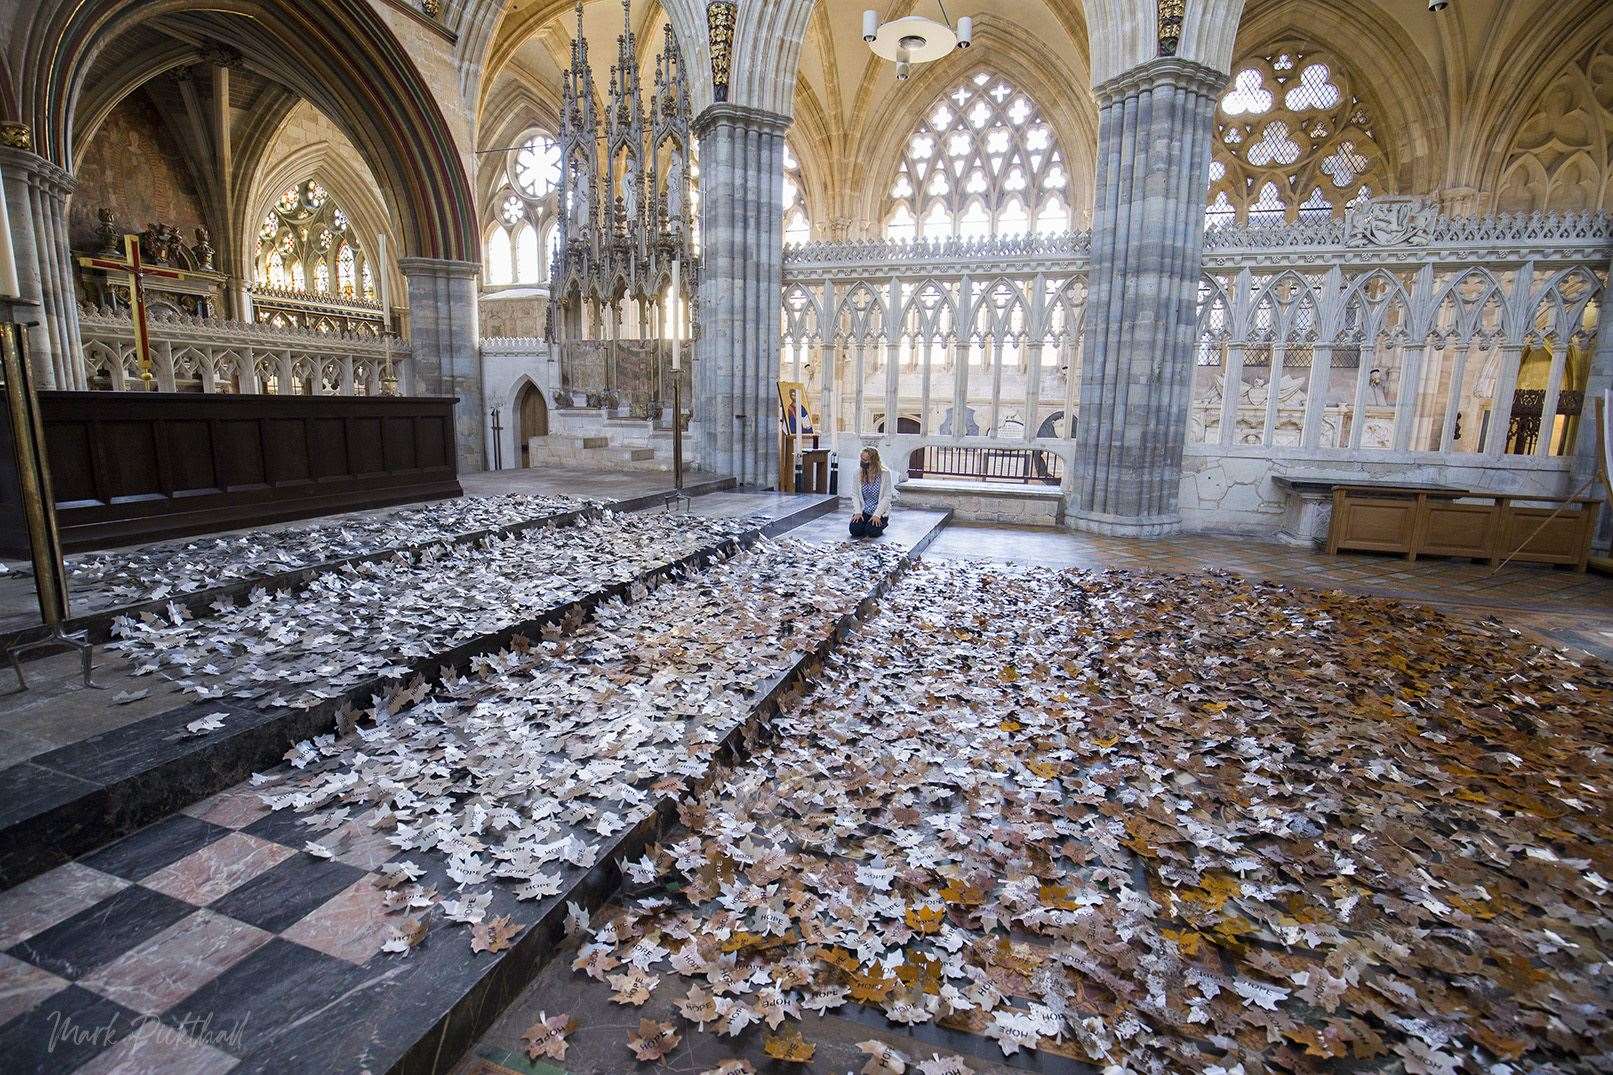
{"points": [[531, 419]]}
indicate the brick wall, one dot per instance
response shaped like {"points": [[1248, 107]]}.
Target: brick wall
{"points": [[133, 167]]}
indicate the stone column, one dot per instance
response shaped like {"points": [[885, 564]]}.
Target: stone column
{"points": [[741, 278], [1599, 380], [446, 345], [1147, 239], [36, 200]]}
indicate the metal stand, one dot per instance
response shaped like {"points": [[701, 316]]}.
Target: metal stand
{"points": [[677, 496], [498, 442], [39, 508]]}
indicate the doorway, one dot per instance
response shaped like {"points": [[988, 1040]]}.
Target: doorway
{"points": [[531, 420]]}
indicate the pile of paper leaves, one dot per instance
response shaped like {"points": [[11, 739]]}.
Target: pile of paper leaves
{"points": [[1156, 823], [299, 648], [127, 576], [522, 771]]}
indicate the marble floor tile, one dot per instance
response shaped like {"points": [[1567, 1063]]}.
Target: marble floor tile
{"points": [[65, 1032], [24, 986], [352, 925], [159, 1050], [155, 976], [218, 869], [100, 934], [43, 901], [280, 896], [358, 843], [143, 853], [233, 808], [266, 996]]}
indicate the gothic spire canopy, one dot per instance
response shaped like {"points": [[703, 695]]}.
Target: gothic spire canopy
{"points": [[625, 183]]}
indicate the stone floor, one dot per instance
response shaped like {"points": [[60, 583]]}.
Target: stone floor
{"points": [[1556, 604], [60, 711], [19, 605]]}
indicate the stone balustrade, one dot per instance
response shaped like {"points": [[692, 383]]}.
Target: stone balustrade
{"points": [[216, 355]]}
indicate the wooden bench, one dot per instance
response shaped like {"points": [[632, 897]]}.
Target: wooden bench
{"points": [[1418, 521]]}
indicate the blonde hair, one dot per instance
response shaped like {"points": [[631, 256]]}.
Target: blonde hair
{"points": [[870, 470]]}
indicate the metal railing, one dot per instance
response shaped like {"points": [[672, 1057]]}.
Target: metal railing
{"points": [[1017, 466]]}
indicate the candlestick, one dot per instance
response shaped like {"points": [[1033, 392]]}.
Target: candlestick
{"points": [[385, 282], [677, 314], [9, 286]]}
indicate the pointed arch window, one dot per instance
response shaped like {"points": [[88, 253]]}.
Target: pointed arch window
{"points": [[500, 258], [274, 274], [797, 219], [1293, 140], [982, 162], [527, 268], [346, 273], [369, 282], [296, 238]]}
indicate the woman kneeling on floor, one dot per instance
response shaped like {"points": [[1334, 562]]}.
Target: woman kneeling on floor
{"points": [[871, 504]]}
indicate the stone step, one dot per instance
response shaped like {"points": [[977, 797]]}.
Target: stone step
{"points": [[622, 453], [66, 801], [321, 995]]}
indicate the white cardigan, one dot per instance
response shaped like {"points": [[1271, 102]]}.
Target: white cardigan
{"points": [[886, 484]]}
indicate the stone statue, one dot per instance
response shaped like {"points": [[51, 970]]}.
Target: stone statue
{"points": [[674, 189], [581, 218], [1377, 389], [203, 250], [1390, 221], [107, 233], [630, 186]]}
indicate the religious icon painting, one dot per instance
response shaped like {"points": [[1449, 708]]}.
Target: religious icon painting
{"points": [[795, 408]]}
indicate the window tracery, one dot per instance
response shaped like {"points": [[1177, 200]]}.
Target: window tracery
{"points": [[983, 162], [1293, 141], [797, 216], [525, 205], [1562, 156], [306, 238]]}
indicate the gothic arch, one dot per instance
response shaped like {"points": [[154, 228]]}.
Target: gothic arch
{"points": [[339, 54], [1547, 45], [355, 193], [1025, 62], [1391, 76], [1559, 152]]}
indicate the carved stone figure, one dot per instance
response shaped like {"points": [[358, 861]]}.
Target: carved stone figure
{"points": [[1390, 221], [674, 189], [203, 250], [630, 184], [159, 244]]}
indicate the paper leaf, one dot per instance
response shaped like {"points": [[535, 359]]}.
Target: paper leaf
{"points": [[547, 1037], [789, 1047], [653, 1040]]}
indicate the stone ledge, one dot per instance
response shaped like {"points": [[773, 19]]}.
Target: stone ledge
{"points": [[980, 489]]}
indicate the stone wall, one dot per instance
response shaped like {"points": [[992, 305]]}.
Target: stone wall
{"points": [[134, 167], [1228, 491], [522, 316]]}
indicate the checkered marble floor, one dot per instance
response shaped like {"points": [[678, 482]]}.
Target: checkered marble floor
{"points": [[183, 941]]}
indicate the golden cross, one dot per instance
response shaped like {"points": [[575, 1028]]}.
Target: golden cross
{"points": [[137, 270]]}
